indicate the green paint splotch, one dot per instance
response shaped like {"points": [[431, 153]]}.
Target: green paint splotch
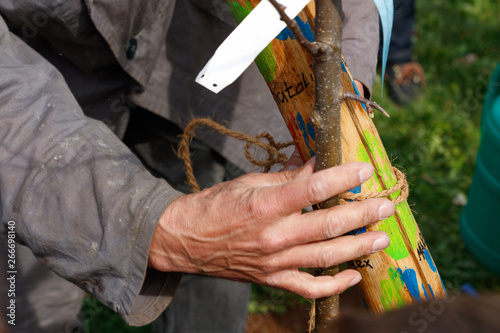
{"points": [[265, 60], [362, 155], [409, 223], [403, 209], [397, 249], [392, 290], [378, 152]]}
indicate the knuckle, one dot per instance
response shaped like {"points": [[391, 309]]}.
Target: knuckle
{"points": [[273, 280], [289, 175], [364, 248], [269, 265], [259, 209], [314, 192], [324, 257], [270, 242], [332, 225], [264, 265], [366, 214]]}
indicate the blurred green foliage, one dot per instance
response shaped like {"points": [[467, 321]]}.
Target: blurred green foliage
{"points": [[435, 140], [100, 319]]}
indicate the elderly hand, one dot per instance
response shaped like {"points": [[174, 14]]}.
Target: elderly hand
{"points": [[252, 229]]}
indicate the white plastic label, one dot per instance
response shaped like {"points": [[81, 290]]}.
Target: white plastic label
{"points": [[245, 43]]}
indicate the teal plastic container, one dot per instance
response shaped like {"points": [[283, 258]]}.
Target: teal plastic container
{"points": [[480, 218]]}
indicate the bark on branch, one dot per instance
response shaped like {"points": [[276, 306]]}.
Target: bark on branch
{"points": [[329, 94], [326, 122]]}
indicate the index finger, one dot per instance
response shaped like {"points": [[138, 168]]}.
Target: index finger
{"points": [[314, 188]]}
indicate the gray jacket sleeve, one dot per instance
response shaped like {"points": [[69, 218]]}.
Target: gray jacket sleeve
{"points": [[80, 200], [361, 40]]}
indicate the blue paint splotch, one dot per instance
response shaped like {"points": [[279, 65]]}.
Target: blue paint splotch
{"points": [[361, 230], [310, 131], [425, 291], [344, 69], [432, 291], [304, 27], [306, 131], [429, 260], [356, 190], [355, 232], [409, 277]]}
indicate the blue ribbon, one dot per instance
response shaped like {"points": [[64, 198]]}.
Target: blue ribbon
{"points": [[386, 12]]}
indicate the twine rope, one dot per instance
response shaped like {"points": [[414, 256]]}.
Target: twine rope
{"points": [[401, 185], [275, 156]]}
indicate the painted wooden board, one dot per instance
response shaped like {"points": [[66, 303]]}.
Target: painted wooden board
{"points": [[405, 272]]}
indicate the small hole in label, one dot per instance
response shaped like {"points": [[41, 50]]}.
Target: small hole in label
{"points": [[203, 76], [215, 84]]}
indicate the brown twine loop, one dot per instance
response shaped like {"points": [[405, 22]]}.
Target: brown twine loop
{"points": [[275, 156], [401, 184]]}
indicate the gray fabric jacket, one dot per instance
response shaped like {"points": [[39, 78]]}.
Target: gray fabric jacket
{"points": [[81, 201]]}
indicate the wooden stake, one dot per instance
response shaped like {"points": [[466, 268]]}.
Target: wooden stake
{"points": [[404, 272]]}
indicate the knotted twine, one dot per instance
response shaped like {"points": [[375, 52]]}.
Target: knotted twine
{"points": [[275, 156]]}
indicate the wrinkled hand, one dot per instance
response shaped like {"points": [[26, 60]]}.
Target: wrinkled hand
{"points": [[252, 229]]}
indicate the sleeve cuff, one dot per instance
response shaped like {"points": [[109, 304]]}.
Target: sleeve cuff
{"points": [[150, 291]]}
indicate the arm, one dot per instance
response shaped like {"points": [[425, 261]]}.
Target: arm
{"points": [[81, 201]]}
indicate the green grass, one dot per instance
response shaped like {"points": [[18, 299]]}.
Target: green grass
{"points": [[434, 141]]}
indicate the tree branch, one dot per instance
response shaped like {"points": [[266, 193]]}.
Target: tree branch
{"points": [[369, 104], [315, 49], [329, 94], [326, 122]]}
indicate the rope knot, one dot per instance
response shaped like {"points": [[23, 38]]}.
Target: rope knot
{"points": [[274, 155]]}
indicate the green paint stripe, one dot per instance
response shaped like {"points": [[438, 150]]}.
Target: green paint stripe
{"points": [[265, 61], [392, 290]]}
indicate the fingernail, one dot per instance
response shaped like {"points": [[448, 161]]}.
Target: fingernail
{"points": [[381, 243], [366, 173], [386, 210], [355, 281], [311, 160]]}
